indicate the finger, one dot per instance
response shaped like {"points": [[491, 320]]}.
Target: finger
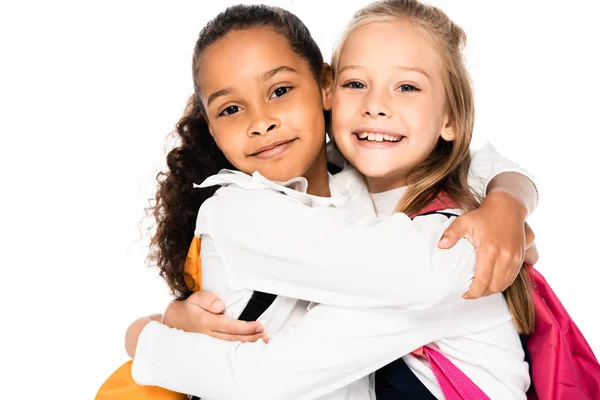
{"points": [[515, 263], [502, 277], [531, 255], [207, 301], [514, 276], [240, 338], [505, 271], [229, 326], [455, 231], [529, 236], [517, 269], [484, 267]]}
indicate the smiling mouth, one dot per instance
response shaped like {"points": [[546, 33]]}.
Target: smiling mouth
{"points": [[378, 137], [272, 149]]}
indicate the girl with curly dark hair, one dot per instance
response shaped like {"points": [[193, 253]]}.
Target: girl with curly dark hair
{"points": [[198, 156]]}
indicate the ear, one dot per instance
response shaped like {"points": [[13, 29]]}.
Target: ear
{"points": [[326, 86], [448, 132]]}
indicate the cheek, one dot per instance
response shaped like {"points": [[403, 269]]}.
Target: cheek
{"points": [[229, 139], [342, 111], [423, 118], [305, 117]]}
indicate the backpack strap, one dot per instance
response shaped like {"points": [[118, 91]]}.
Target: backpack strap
{"points": [[454, 383], [258, 304], [445, 214]]}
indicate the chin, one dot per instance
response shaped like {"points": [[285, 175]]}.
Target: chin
{"points": [[279, 174], [373, 169]]}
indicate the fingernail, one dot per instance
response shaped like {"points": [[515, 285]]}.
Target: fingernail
{"points": [[259, 329], [218, 305], [444, 241]]}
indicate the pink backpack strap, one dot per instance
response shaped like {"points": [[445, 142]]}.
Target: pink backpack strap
{"points": [[441, 202], [454, 383]]}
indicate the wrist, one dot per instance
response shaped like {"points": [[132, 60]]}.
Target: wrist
{"points": [[518, 186], [169, 317], [501, 200], [133, 333]]}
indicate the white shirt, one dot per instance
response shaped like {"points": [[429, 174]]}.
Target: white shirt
{"points": [[414, 284]]}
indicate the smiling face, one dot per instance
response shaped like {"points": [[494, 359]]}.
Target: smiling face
{"points": [[263, 105], [389, 102]]}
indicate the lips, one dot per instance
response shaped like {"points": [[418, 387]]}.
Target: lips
{"points": [[272, 149]]}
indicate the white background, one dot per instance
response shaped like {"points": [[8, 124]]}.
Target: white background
{"points": [[90, 90]]}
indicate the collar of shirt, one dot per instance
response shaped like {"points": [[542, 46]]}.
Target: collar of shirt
{"points": [[353, 184], [294, 188]]}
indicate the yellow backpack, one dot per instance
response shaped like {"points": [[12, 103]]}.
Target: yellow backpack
{"points": [[120, 385]]}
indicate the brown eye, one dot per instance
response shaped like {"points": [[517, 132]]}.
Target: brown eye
{"points": [[281, 91], [230, 110]]}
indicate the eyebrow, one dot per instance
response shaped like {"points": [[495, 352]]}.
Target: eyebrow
{"points": [[415, 69], [220, 93], [263, 77], [269, 74], [401, 67]]}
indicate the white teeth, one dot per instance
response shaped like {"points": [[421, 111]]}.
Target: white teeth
{"points": [[391, 138], [377, 137]]}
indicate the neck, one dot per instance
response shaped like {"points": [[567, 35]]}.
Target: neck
{"points": [[317, 177], [385, 183]]}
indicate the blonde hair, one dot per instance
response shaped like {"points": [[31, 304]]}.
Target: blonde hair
{"points": [[446, 168]]}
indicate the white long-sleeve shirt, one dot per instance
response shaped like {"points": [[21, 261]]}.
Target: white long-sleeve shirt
{"points": [[328, 350]]}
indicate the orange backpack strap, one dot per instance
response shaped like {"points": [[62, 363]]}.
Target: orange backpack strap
{"points": [[193, 266], [120, 385]]}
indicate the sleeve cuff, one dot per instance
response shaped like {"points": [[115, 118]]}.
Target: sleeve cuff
{"points": [[487, 163]]}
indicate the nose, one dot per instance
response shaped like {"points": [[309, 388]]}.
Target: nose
{"points": [[376, 106], [262, 123]]}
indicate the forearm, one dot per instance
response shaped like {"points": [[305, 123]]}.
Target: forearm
{"points": [[324, 254], [330, 349], [413, 281], [304, 363]]}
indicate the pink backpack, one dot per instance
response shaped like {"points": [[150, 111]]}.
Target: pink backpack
{"points": [[563, 364]]}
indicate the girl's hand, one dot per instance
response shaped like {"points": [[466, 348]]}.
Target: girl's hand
{"points": [[202, 313], [501, 237]]}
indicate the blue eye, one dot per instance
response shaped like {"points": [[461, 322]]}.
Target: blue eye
{"points": [[354, 85], [407, 88], [281, 91], [230, 110]]}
